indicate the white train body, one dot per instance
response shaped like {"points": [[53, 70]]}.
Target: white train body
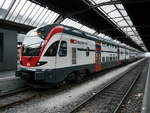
{"points": [[49, 54]]}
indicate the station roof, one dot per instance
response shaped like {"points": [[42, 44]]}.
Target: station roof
{"points": [[138, 12], [106, 18]]}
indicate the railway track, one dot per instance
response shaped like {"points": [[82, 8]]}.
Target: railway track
{"points": [[8, 93], [110, 98], [24, 94], [16, 96]]}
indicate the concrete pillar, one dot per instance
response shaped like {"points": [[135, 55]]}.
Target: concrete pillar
{"points": [[8, 50]]}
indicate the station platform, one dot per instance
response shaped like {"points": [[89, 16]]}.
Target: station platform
{"points": [[4, 74], [9, 82], [65, 100], [146, 99]]}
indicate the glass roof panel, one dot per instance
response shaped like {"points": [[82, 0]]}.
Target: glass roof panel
{"points": [[35, 17], [114, 14], [130, 22], [12, 9], [100, 1], [53, 18], [6, 4], [26, 12], [120, 6], [18, 15], [49, 17], [40, 16], [128, 29], [101, 35], [134, 28], [30, 13], [124, 13], [117, 19], [122, 23], [131, 33], [85, 28], [44, 18], [65, 21], [17, 9], [127, 17], [45, 15], [1, 3], [108, 8], [77, 25], [72, 23]]}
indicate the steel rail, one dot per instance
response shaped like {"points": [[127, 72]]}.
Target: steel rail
{"points": [[106, 86]]}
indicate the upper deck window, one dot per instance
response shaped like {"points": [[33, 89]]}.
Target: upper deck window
{"points": [[43, 31]]}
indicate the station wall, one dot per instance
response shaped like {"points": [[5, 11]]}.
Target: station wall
{"points": [[8, 49]]}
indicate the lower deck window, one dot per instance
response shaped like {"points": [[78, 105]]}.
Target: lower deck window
{"points": [[1, 47], [103, 59]]}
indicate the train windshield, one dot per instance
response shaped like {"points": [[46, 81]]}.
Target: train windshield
{"points": [[31, 50], [34, 39]]}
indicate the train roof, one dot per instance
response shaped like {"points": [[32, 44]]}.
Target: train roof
{"points": [[77, 32]]}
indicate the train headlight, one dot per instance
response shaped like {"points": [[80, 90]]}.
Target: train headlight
{"points": [[40, 63]]}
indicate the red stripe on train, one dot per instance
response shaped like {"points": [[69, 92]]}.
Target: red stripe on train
{"points": [[98, 67], [58, 29]]}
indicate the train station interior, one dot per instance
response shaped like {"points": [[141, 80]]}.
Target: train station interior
{"points": [[103, 46]]}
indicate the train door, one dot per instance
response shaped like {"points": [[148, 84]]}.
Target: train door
{"points": [[62, 60], [98, 56], [118, 55], [62, 57]]}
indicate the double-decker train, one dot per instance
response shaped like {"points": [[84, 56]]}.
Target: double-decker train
{"points": [[55, 52]]}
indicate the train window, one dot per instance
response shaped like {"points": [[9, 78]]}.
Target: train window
{"points": [[43, 31], [103, 44], [52, 50], [103, 59], [107, 45], [1, 47], [74, 56], [114, 57], [107, 59], [63, 49], [87, 51], [110, 58]]}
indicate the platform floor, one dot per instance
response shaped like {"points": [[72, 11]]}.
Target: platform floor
{"points": [[8, 81], [65, 100], [4, 74], [146, 99]]}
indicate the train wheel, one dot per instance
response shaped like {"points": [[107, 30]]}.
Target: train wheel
{"points": [[78, 76], [86, 72], [71, 77]]}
